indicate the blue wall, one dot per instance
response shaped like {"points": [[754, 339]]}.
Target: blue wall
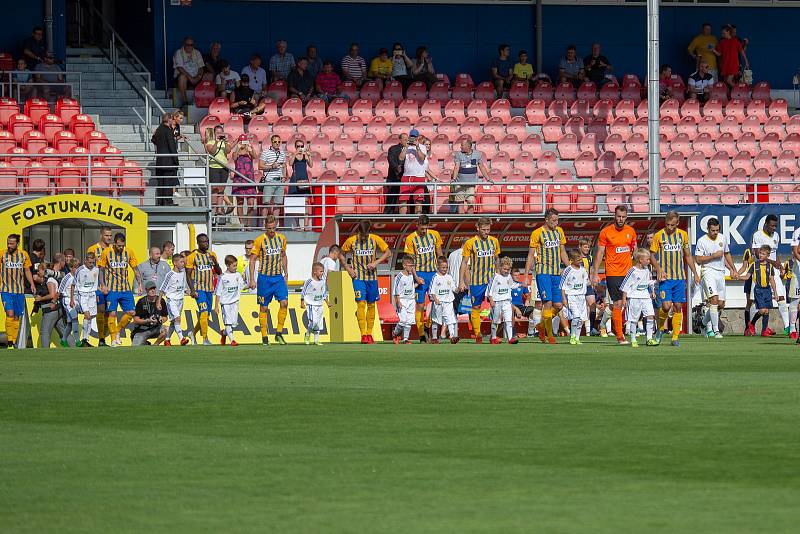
{"points": [[19, 20]]}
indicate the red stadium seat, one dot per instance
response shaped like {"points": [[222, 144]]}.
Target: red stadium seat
{"points": [[33, 141], [552, 130], [440, 91], [344, 143], [18, 125], [671, 108], [495, 128], [687, 126], [526, 163], [204, 94], [575, 125], [532, 144], [549, 162], [691, 108], [35, 108], [615, 143], [379, 128], [485, 91], [743, 161], [558, 108], [417, 92], [705, 144], [640, 127], [369, 144], [535, 112], [316, 108], [471, 127], [631, 91], [636, 143], [758, 109], [747, 143], [9, 179], [293, 108], [741, 91], [433, 110], [100, 177], [565, 91], [632, 162], [66, 108], [354, 128], [514, 198], [70, 179], [410, 109], [485, 145], [462, 92], [604, 110], [501, 109], [752, 126], [788, 160], [488, 198], [221, 108], [589, 143], [80, 125], [370, 91], [393, 91], [112, 156], [607, 160], [544, 91], [130, 177], [308, 127], [778, 108], [697, 161], [764, 161], [518, 94], [38, 177], [95, 141], [581, 109], [8, 107], [585, 165], [722, 162], [332, 127], [64, 142], [762, 91]]}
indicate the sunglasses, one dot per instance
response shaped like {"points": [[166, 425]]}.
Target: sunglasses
{"points": [[188, 44], [299, 146], [276, 142]]}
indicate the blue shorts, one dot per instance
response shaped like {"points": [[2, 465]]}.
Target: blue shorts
{"points": [[762, 297], [205, 301], [271, 287], [548, 286], [672, 291], [14, 302], [478, 294], [422, 290], [366, 290], [123, 298], [101, 298]]}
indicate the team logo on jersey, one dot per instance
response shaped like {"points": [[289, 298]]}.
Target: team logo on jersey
{"points": [[621, 250], [362, 252], [272, 251], [425, 250], [668, 247], [485, 253], [13, 264], [551, 243], [118, 264]]}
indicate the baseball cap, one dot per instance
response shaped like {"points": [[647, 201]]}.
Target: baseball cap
{"points": [[413, 133], [149, 285], [243, 137]]}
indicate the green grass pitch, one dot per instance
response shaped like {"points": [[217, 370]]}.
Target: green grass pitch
{"points": [[349, 438]]}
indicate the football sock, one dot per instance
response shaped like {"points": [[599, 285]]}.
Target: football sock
{"points": [[370, 317], [204, 324], [631, 330], [452, 330], [556, 322], [607, 313], [281, 318], [12, 329], [493, 330], [536, 318], [662, 318], [229, 332], [102, 326], [783, 309], [793, 315], [713, 314], [112, 325], [124, 322], [649, 327], [361, 316], [406, 332], [577, 325], [262, 323], [475, 321], [434, 331], [178, 330], [316, 337], [547, 321], [616, 322], [746, 316], [398, 328], [707, 318], [764, 322], [75, 329], [420, 316], [87, 328], [677, 324], [509, 330]]}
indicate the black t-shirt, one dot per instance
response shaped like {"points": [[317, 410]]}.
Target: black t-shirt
{"points": [[594, 71], [37, 47], [243, 94], [303, 83], [146, 309]]}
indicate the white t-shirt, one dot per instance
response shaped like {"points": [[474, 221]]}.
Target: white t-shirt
{"points": [[314, 292], [500, 287], [64, 288], [761, 238], [229, 286], [444, 287], [174, 285], [706, 247], [228, 81], [329, 264], [191, 63], [574, 281], [405, 287], [454, 261], [637, 283], [412, 167], [86, 279]]}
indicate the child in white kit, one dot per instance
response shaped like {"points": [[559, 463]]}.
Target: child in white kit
{"points": [[312, 298], [442, 292], [86, 277], [574, 281], [173, 290], [67, 291], [405, 300], [228, 292], [499, 292], [637, 297]]}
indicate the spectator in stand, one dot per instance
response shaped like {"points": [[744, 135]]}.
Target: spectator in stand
{"points": [[300, 161], [328, 82], [380, 68], [665, 82], [501, 70], [744, 42], [243, 98], [188, 67], [570, 68], [422, 70], [728, 50], [412, 191], [354, 68], [314, 62], [256, 75], [54, 75], [401, 65], [166, 171], [702, 48], [150, 318], [700, 82], [227, 80], [177, 120], [394, 174], [300, 82], [243, 155], [21, 88], [468, 162], [273, 162], [281, 63], [219, 150], [34, 47], [597, 66], [522, 70], [213, 61]]}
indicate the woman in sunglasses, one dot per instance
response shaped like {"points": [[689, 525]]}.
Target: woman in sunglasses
{"points": [[300, 161]]}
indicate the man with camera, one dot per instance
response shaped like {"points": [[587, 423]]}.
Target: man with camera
{"points": [[597, 66], [412, 188], [219, 149], [273, 163], [150, 317]]}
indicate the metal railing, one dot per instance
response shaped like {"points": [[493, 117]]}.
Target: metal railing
{"points": [[9, 87], [148, 108]]}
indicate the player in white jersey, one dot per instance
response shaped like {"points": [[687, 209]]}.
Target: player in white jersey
{"points": [[768, 235], [637, 297], [173, 291], [85, 294], [404, 291], [442, 292], [228, 291], [713, 254], [331, 261], [499, 293], [66, 290], [312, 299], [574, 281]]}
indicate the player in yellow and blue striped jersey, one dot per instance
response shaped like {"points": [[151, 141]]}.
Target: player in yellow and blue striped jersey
{"points": [[269, 251], [426, 246], [115, 285], [14, 271], [763, 283], [547, 250], [202, 269], [478, 268]]}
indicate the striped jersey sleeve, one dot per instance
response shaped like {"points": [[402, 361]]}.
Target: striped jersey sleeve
{"points": [[398, 281], [565, 278], [304, 291], [165, 284], [66, 283]]}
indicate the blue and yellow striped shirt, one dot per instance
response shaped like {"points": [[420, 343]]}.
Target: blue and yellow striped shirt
{"points": [[669, 250], [547, 244], [98, 249], [587, 263], [12, 272], [202, 267], [747, 256], [484, 253], [423, 248], [364, 253], [760, 272], [269, 251], [116, 265]]}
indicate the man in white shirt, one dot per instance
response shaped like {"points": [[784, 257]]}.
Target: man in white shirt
{"points": [[188, 66], [713, 254], [412, 189], [227, 80], [768, 235], [256, 74], [273, 163], [331, 261]]}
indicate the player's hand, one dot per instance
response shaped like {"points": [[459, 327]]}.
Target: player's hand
{"points": [[302, 305], [252, 284], [662, 277], [419, 280], [104, 290], [87, 317], [697, 279], [734, 275], [595, 279], [194, 294], [462, 287], [371, 266], [158, 304]]}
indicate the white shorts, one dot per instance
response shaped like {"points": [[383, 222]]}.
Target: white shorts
{"points": [[502, 312], [315, 318], [443, 313], [535, 297], [230, 314], [72, 313], [780, 287], [713, 283], [577, 308], [174, 308], [638, 308], [794, 288], [407, 314], [87, 303]]}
